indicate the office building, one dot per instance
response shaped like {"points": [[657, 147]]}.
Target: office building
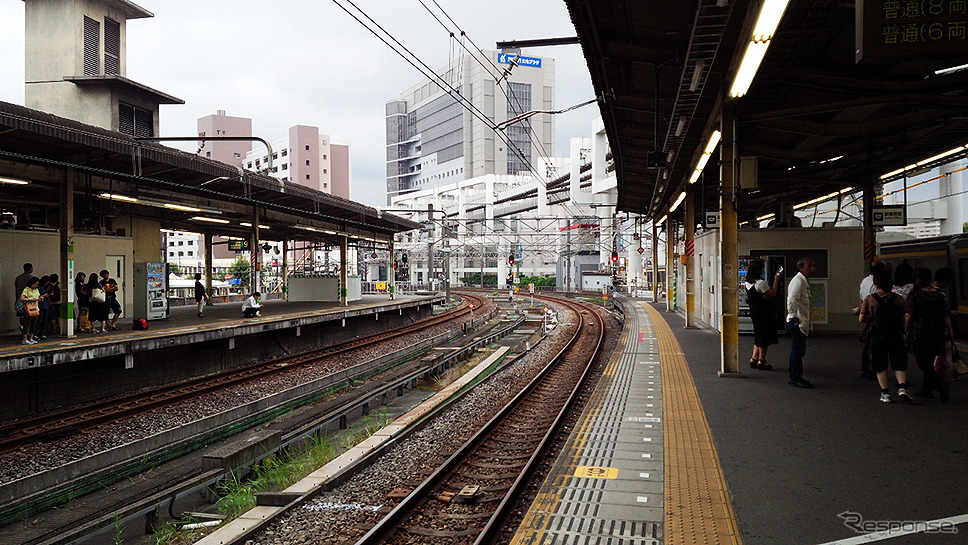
{"points": [[434, 140]]}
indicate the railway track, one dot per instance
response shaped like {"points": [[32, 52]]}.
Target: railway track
{"points": [[471, 494], [65, 423]]}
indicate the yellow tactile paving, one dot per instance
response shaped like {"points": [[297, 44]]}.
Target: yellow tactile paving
{"points": [[697, 506]]}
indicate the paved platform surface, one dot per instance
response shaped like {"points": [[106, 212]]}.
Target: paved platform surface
{"points": [[184, 318], [831, 465]]}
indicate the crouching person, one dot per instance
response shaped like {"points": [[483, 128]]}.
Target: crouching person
{"points": [[251, 306]]}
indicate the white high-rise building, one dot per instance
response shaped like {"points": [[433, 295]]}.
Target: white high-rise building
{"points": [[434, 140]]}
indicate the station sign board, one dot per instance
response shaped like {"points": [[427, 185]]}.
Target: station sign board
{"points": [[240, 245], [712, 220], [889, 214], [509, 58], [910, 29]]}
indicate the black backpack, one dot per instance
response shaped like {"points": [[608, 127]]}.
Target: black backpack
{"points": [[888, 320]]}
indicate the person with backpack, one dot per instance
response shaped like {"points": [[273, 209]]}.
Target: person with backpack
{"points": [[927, 325], [884, 311]]}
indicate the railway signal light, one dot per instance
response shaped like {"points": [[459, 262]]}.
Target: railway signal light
{"points": [[614, 256], [511, 259], [404, 257], [394, 264]]}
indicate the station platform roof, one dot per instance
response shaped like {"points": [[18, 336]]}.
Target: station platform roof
{"points": [[184, 327], [818, 119], [119, 175]]}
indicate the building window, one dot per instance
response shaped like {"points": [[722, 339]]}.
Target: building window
{"points": [[180, 254], [171, 242], [135, 121], [112, 46], [171, 254], [325, 184], [307, 162], [307, 176], [208, 154], [275, 155], [307, 147], [92, 47], [285, 166], [191, 242], [324, 157], [285, 152], [181, 242], [190, 254], [250, 164], [237, 155], [324, 171]]}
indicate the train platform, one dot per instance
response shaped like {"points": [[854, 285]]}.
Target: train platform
{"points": [[669, 452], [183, 326]]}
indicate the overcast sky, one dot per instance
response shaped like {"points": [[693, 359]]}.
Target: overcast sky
{"points": [[308, 62]]}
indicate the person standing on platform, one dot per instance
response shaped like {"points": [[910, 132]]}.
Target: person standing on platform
{"points": [[928, 325], [760, 296], [943, 278], [798, 320], [83, 296], [30, 294], [99, 309], [110, 287], [251, 306], [867, 287], [21, 281], [885, 312], [54, 295], [200, 296], [40, 333]]}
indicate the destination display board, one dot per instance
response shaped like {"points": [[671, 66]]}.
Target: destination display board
{"points": [[911, 29]]}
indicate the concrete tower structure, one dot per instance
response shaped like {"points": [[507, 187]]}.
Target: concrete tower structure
{"points": [[76, 62]]}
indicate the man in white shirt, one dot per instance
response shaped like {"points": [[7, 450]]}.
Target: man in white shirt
{"points": [[798, 320], [251, 306]]}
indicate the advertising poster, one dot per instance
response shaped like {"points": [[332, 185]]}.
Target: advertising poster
{"points": [[818, 301]]}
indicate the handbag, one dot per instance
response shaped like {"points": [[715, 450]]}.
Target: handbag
{"points": [[19, 307], [97, 295], [32, 310]]}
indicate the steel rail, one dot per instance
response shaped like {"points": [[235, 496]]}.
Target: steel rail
{"points": [[64, 423], [387, 526]]}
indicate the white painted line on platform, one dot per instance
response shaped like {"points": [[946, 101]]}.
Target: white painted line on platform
{"points": [[907, 528]]}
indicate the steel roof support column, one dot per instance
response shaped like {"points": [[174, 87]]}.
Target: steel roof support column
{"points": [[66, 317], [868, 200], [729, 234], [670, 261], [256, 253], [344, 250], [690, 260], [285, 268], [655, 262], [208, 264]]}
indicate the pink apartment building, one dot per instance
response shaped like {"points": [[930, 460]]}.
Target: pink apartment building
{"points": [[305, 157]]}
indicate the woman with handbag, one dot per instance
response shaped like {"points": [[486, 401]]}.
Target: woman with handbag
{"points": [[927, 326], [83, 295], [30, 313], [99, 307]]}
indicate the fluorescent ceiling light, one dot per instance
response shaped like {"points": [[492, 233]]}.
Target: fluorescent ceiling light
{"points": [[766, 217], [951, 70], [752, 58], [662, 220], [330, 232], [940, 156], [679, 199], [714, 139], [182, 207], [824, 198], [211, 220], [246, 224], [116, 197], [695, 176], [769, 19], [13, 181], [306, 228]]}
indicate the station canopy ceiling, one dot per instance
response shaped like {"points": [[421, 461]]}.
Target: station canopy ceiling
{"points": [[817, 120], [158, 182]]}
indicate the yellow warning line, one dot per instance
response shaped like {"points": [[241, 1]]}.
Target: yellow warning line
{"points": [[697, 505]]}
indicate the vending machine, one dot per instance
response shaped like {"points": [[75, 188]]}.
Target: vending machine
{"points": [[150, 291]]}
